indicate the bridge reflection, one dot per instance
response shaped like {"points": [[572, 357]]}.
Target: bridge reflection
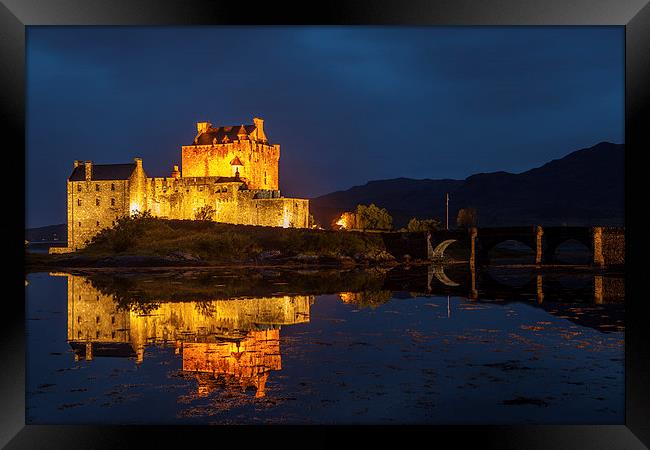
{"points": [[506, 283]]}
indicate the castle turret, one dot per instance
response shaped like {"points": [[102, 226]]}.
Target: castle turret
{"points": [[202, 127], [259, 124], [242, 134]]}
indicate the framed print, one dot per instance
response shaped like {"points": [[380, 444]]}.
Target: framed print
{"points": [[243, 218]]}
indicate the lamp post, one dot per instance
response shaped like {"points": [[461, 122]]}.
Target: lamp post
{"points": [[447, 211]]}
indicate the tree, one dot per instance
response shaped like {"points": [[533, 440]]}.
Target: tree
{"points": [[423, 225], [467, 218], [373, 218], [204, 213]]}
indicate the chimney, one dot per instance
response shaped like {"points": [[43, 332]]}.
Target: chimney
{"points": [[176, 173], [202, 127], [259, 124], [76, 163], [138, 162], [89, 170]]}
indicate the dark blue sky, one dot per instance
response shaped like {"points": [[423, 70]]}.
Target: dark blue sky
{"points": [[346, 104]]}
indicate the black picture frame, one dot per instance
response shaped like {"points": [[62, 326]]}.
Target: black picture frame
{"points": [[634, 15]]}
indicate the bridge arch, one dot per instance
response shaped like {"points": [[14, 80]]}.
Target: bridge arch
{"points": [[439, 251], [441, 276], [570, 250], [509, 248]]}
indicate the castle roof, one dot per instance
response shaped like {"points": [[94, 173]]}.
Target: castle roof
{"points": [[236, 162], [219, 133], [103, 172]]}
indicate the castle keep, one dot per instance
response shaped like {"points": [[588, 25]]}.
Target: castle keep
{"points": [[233, 169]]}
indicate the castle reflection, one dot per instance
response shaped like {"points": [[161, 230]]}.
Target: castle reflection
{"points": [[229, 343]]}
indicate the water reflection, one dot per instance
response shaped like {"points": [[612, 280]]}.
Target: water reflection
{"points": [[329, 346], [235, 341]]}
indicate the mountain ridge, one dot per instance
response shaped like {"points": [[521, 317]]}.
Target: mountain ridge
{"points": [[585, 187]]}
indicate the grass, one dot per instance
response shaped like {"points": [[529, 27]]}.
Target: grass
{"points": [[144, 235]]}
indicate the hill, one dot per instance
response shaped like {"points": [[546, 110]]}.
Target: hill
{"points": [[586, 187], [49, 233]]}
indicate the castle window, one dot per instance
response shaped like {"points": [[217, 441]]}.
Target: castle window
{"points": [[78, 202], [79, 187], [79, 224], [112, 202], [79, 334], [113, 335], [97, 187], [78, 319], [112, 186], [96, 202], [97, 319], [265, 177], [98, 223], [97, 334], [112, 319]]}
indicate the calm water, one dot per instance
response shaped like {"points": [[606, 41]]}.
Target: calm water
{"points": [[425, 345]]}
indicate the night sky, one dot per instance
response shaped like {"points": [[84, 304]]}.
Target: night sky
{"points": [[346, 104]]}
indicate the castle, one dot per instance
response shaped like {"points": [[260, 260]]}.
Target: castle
{"points": [[232, 169]]}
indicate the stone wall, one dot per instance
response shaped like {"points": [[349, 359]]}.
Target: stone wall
{"points": [[260, 162], [181, 198], [613, 245], [417, 245], [93, 205]]}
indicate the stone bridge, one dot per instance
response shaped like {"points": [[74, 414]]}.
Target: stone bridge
{"points": [[605, 244]]}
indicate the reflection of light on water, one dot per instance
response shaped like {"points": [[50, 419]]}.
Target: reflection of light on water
{"points": [[347, 297]]}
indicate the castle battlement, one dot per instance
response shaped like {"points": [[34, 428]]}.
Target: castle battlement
{"points": [[232, 169]]}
